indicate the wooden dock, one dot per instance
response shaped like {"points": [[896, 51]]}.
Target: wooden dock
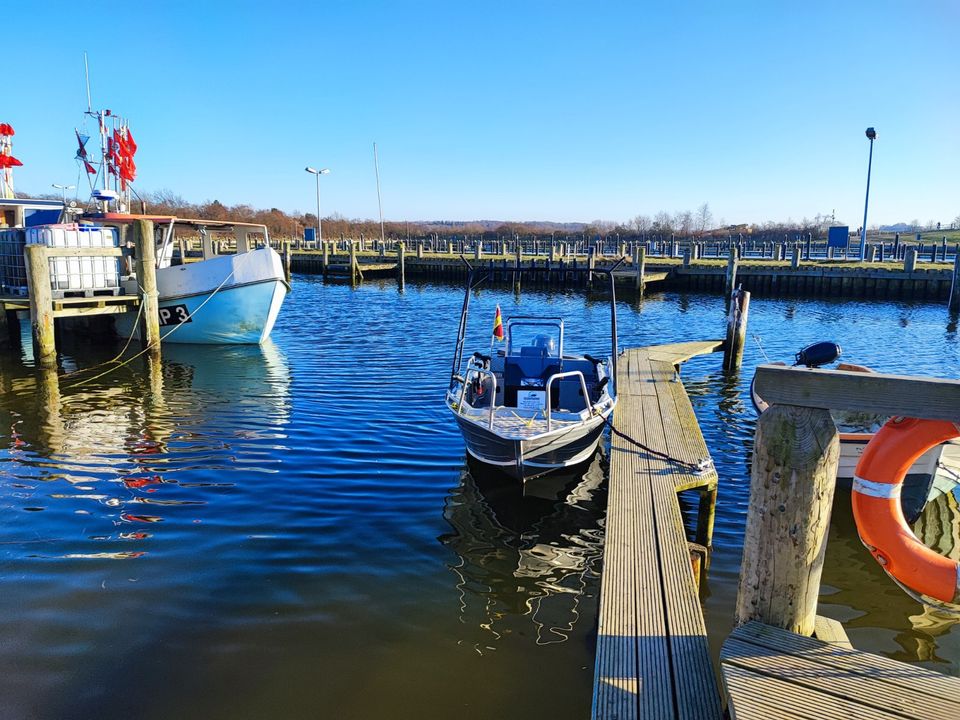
{"points": [[772, 673], [653, 660]]}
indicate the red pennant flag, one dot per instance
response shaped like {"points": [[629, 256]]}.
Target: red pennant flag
{"points": [[90, 168], [6, 129], [498, 325], [128, 170], [9, 161], [82, 150], [131, 145]]}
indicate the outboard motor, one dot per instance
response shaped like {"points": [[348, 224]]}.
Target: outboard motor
{"points": [[821, 353]]}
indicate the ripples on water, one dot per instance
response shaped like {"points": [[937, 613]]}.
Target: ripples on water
{"points": [[292, 530]]}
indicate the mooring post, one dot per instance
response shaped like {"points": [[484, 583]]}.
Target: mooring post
{"points": [[730, 283], [795, 257], [955, 285], [419, 249], [591, 263], [401, 278], [639, 263], [286, 259], [354, 270], [516, 272], [41, 305], [143, 240], [736, 330], [325, 247], [794, 469], [910, 260]]}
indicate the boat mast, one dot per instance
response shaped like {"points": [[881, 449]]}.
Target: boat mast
{"points": [[376, 164]]}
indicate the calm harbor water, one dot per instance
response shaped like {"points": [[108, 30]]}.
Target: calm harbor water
{"points": [[292, 530]]}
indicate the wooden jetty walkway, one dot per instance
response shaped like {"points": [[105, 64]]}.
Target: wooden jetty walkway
{"points": [[653, 660]]}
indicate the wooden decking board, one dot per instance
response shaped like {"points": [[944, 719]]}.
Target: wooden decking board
{"points": [[826, 680], [647, 573], [759, 696]]}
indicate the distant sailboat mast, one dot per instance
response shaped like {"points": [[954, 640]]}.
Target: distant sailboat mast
{"points": [[376, 164]]}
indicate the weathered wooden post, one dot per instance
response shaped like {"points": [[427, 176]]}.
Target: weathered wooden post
{"points": [[41, 305], [795, 257], [143, 240], [401, 277], [419, 249], [286, 259], [795, 454], [871, 253], [591, 263], [736, 330], [686, 256], [325, 257], [516, 272], [182, 248], [910, 260], [354, 269], [639, 264], [730, 283], [478, 251], [954, 303]]}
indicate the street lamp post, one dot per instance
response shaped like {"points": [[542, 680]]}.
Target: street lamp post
{"points": [[318, 173], [871, 135], [63, 190]]}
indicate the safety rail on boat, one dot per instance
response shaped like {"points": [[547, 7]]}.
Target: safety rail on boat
{"points": [[569, 373], [493, 392]]}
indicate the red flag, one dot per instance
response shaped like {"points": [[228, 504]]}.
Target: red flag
{"points": [[90, 168], [9, 161], [131, 145], [498, 325], [6, 129], [128, 170], [82, 150]]}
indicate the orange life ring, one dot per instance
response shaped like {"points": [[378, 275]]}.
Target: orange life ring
{"points": [[876, 507]]}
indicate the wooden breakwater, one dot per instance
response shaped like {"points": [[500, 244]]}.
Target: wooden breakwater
{"points": [[909, 279]]}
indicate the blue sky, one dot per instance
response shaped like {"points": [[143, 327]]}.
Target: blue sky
{"points": [[568, 111]]}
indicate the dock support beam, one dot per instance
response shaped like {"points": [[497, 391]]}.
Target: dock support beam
{"points": [[736, 330], [792, 483], [41, 305], [143, 240]]}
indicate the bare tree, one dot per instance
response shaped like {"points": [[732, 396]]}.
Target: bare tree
{"points": [[683, 222], [662, 223], [641, 223], [704, 218]]}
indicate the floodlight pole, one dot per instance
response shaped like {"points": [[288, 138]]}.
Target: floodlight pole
{"points": [[871, 135]]}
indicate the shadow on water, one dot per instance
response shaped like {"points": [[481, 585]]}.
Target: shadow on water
{"points": [[527, 557]]}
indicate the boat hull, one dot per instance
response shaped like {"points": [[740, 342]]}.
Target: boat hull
{"points": [[526, 458], [231, 299]]}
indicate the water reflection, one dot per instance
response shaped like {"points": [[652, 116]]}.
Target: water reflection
{"points": [[877, 614], [103, 457], [526, 557]]}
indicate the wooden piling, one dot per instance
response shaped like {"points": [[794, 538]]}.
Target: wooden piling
{"points": [[639, 263], [730, 284], [792, 482], [954, 303], [795, 257], [354, 270], [143, 240], [401, 279], [41, 305], [736, 330], [910, 260], [286, 259]]}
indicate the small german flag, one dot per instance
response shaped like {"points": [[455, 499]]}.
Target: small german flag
{"points": [[498, 325]]}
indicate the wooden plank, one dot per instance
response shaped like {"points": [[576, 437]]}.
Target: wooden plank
{"points": [[936, 399], [677, 353], [830, 631], [85, 252], [651, 623], [754, 696], [878, 684], [867, 686]]}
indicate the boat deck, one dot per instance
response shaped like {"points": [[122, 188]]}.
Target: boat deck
{"points": [[653, 659], [772, 673]]}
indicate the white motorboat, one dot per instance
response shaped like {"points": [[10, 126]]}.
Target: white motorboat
{"points": [[531, 407]]}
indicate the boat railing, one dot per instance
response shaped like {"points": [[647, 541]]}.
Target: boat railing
{"points": [[558, 376], [493, 392]]}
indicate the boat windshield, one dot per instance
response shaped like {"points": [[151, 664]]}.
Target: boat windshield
{"points": [[541, 337]]}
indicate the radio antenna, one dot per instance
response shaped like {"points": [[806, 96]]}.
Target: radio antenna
{"points": [[86, 70]]}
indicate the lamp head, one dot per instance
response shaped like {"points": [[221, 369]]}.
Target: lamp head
{"points": [[310, 170], [325, 171], [871, 133]]}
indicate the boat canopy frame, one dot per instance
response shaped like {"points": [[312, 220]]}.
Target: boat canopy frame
{"points": [[477, 276]]}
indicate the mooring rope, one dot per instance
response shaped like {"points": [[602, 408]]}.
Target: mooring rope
{"points": [[697, 468], [163, 337]]}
